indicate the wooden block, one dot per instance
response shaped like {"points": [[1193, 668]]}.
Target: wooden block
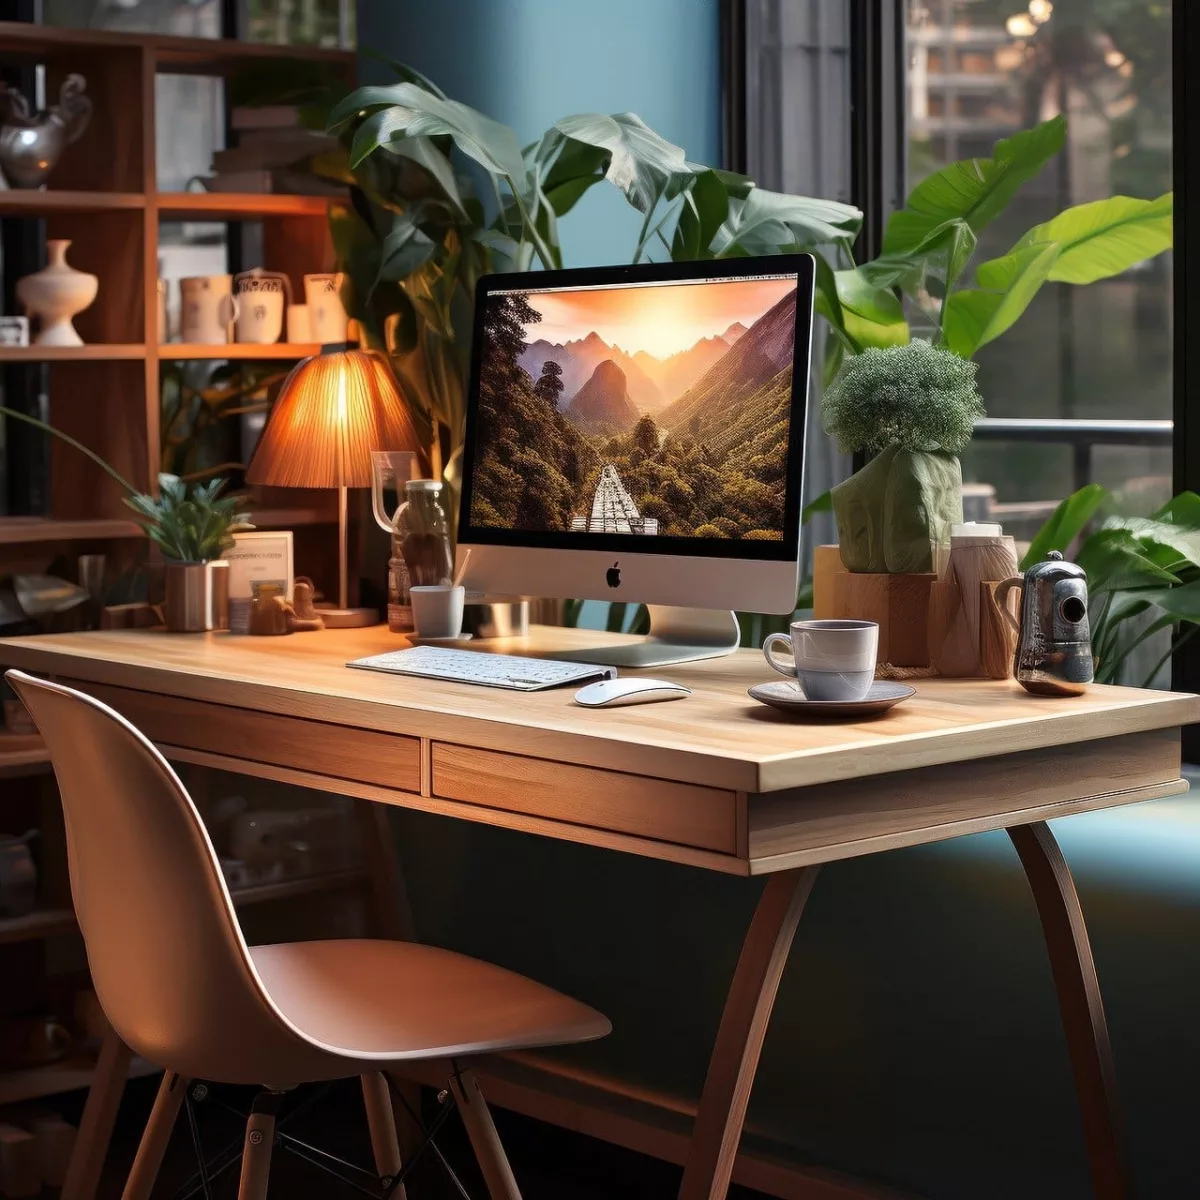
{"points": [[827, 566], [128, 616], [899, 604], [20, 1170], [997, 637]]}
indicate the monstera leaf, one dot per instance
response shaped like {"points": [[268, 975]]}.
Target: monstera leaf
{"points": [[765, 222]]}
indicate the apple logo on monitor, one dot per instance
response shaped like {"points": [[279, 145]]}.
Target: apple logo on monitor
{"points": [[613, 575]]}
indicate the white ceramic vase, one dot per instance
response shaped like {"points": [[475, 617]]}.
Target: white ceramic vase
{"points": [[55, 294]]}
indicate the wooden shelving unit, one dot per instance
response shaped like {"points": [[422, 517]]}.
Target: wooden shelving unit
{"points": [[103, 196]]}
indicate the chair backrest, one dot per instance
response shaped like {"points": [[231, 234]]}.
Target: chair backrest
{"points": [[168, 961]]}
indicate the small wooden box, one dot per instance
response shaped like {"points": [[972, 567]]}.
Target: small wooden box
{"points": [[898, 604]]}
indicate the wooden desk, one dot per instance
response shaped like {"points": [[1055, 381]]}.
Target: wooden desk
{"points": [[716, 781]]}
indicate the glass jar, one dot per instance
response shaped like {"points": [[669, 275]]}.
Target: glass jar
{"points": [[421, 534]]}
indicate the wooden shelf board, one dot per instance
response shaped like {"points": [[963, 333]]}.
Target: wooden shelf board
{"points": [[36, 202], [16, 530], [216, 56], [187, 351], [290, 889], [70, 1075], [27, 756], [220, 206], [96, 352], [289, 518], [41, 923]]}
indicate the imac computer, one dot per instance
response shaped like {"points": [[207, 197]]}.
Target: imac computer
{"points": [[637, 433]]}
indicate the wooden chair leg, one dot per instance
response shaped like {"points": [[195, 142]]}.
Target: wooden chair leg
{"points": [[99, 1115], [256, 1156], [485, 1141], [731, 1070], [1081, 1006], [154, 1141], [382, 1123]]}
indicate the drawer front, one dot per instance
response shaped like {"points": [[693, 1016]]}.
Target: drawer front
{"points": [[659, 809], [339, 751]]}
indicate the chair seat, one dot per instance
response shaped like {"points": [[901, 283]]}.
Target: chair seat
{"points": [[381, 1000]]}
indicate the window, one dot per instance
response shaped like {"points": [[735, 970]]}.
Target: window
{"points": [[979, 70]]}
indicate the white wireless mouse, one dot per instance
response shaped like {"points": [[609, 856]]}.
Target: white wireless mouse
{"points": [[609, 693]]}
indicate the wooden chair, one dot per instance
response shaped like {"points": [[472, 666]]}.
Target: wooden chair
{"points": [[181, 987]]}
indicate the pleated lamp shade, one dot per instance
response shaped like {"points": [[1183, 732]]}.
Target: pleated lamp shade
{"points": [[331, 412]]}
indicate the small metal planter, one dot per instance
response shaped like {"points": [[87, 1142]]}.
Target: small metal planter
{"points": [[197, 596]]}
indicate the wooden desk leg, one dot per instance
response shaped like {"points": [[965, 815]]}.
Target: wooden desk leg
{"points": [[1081, 1005], [734, 1061], [99, 1116]]}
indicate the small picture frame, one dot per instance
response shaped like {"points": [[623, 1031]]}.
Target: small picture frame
{"points": [[14, 331], [257, 558]]}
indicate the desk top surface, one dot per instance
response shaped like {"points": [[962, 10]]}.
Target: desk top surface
{"points": [[717, 736]]}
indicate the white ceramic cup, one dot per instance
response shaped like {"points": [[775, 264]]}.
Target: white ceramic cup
{"points": [[322, 293], [262, 297], [208, 309], [299, 325], [438, 610], [831, 660]]}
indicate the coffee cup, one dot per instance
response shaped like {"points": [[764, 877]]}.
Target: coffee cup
{"points": [[831, 660], [323, 297], [262, 295], [208, 309], [438, 610]]}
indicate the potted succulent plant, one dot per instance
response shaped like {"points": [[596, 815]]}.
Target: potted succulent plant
{"points": [[913, 406], [192, 523]]}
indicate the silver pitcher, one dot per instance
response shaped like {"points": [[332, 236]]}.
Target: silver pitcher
{"points": [[1054, 644], [32, 143]]}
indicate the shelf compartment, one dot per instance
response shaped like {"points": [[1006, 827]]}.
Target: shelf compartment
{"points": [[70, 1075], [22, 754], [188, 351], [36, 202], [95, 352], [305, 885], [41, 923], [18, 530], [233, 206]]}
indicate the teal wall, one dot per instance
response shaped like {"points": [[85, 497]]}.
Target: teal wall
{"points": [[529, 62]]}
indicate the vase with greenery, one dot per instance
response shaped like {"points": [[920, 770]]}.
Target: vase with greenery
{"points": [[193, 524], [914, 408]]}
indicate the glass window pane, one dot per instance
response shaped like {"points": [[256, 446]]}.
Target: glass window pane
{"points": [[980, 70]]}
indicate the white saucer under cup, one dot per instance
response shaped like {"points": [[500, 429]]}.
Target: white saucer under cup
{"points": [[787, 697]]}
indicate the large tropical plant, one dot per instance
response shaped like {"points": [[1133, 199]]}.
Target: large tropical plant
{"points": [[1143, 574], [441, 194]]}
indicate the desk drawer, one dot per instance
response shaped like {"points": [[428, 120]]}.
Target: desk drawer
{"points": [[365, 755], [660, 809]]}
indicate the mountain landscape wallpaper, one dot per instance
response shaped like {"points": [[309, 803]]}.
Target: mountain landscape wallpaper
{"points": [[658, 409]]}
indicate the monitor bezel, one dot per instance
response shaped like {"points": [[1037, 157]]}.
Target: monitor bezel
{"points": [[803, 266]]}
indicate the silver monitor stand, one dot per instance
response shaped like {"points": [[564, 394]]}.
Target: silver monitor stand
{"points": [[677, 635]]}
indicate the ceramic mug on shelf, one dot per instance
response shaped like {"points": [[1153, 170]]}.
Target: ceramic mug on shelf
{"points": [[208, 309], [299, 325], [831, 660], [326, 312], [262, 296]]}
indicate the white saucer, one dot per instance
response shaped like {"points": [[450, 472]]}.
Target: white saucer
{"points": [[787, 697]]}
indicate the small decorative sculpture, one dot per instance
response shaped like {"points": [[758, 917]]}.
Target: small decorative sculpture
{"points": [[32, 143], [302, 615]]}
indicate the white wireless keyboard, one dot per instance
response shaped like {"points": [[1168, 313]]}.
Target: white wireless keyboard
{"points": [[488, 670]]}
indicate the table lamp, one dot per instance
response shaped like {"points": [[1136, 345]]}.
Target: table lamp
{"points": [[332, 411]]}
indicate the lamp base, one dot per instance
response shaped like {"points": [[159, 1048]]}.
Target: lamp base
{"points": [[347, 618]]}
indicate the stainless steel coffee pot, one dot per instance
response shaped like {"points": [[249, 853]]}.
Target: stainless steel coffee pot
{"points": [[1054, 644]]}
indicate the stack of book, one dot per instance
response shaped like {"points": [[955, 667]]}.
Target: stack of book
{"points": [[273, 154]]}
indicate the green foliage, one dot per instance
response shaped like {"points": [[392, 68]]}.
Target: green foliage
{"points": [[916, 396], [190, 524], [1143, 574]]}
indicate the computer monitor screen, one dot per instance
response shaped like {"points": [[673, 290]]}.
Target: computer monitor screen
{"points": [[655, 409]]}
